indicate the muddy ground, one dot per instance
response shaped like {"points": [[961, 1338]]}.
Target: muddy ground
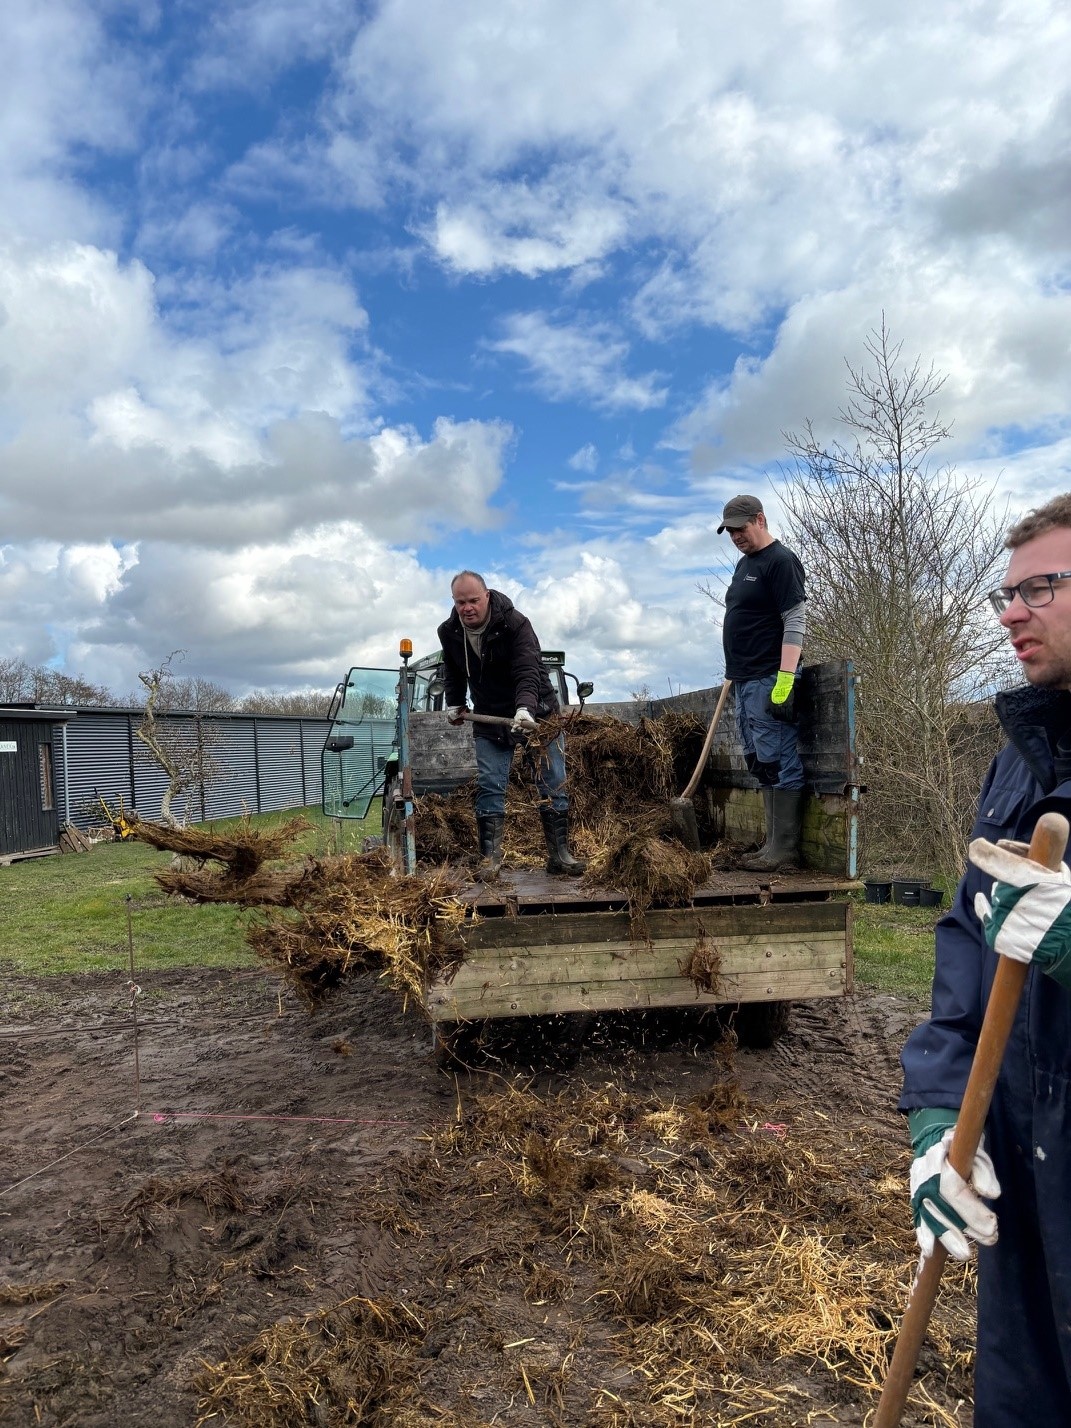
{"points": [[309, 1220]]}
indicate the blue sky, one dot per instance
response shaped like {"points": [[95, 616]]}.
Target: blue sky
{"points": [[305, 306]]}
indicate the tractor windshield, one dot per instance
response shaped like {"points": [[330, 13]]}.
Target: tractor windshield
{"points": [[363, 728]]}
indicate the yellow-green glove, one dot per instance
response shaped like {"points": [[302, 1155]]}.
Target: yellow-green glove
{"points": [[782, 687]]}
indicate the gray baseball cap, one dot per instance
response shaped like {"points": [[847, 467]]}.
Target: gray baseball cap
{"points": [[739, 511]]}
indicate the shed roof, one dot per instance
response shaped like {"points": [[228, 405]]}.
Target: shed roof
{"points": [[39, 713]]}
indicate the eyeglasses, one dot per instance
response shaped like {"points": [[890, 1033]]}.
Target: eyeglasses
{"points": [[1036, 591]]}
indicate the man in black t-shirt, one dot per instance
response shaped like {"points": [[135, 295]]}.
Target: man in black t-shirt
{"points": [[765, 620]]}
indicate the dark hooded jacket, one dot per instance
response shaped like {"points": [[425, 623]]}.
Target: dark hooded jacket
{"points": [[1023, 1360], [1029, 777], [507, 675]]}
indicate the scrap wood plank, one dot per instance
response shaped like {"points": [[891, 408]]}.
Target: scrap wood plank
{"points": [[8, 858], [73, 840]]}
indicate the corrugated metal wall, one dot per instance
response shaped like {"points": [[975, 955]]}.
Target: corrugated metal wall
{"points": [[232, 745], [263, 763], [279, 759], [352, 778], [99, 755], [312, 750]]}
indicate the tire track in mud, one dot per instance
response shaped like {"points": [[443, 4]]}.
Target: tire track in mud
{"points": [[841, 1054]]}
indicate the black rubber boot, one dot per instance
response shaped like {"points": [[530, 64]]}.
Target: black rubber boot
{"points": [[757, 860], [783, 853], [490, 827], [556, 832]]}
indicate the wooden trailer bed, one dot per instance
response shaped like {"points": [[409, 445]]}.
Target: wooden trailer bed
{"points": [[539, 945]]}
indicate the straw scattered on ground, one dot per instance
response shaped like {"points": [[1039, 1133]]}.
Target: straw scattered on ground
{"points": [[748, 1270]]}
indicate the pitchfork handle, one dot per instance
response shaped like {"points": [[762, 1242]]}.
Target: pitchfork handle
{"points": [[471, 718]]}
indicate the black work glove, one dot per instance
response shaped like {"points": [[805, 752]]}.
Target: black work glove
{"points": [[785, 712]]}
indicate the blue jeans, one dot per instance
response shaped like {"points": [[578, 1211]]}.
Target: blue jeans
{"points": [[770, 741], [492, 774]]}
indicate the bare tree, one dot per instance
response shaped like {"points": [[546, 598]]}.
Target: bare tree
{"points": [[38, 684], [310, 703], [900, 552], [190, 692], [14, 681], [185, 750]]}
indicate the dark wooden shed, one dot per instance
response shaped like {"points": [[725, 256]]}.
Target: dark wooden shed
{"points": [[29, 821]]}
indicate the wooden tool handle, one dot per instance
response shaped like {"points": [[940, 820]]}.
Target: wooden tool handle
{"points": [[693, 782], [471, 718], [1047, 846]]}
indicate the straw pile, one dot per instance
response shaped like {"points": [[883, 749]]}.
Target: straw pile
{"points": [[741, 1259], [323, 918], [361, 916], [649, 868], [344, 1364], [621, 778], [351, 912]]}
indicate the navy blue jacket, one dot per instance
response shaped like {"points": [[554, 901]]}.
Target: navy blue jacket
{"points": [[1023, 1362], [1030, 776]]}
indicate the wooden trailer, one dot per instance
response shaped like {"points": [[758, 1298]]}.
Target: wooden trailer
{"points": [[538, 945]]}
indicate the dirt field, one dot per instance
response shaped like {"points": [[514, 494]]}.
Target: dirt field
{"points": [[310, 1221]]}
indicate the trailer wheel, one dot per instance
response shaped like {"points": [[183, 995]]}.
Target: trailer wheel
{"points": [[759, 1024]]}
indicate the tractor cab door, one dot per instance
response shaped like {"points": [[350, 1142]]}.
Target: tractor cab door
{"points": [[359, 743]]}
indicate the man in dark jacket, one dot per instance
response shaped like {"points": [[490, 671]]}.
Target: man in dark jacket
{"points": [[1008, 905], [490, 649]]}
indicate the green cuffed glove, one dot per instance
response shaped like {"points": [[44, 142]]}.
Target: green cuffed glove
{"points": [[1029, 918], [943, 1205], [782, 687]]}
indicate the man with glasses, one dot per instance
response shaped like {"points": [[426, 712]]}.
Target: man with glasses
{"points": [[490, 648], [1010, 906], [762, 636]]}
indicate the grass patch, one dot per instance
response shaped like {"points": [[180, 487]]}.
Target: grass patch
{"points": [[68, 913], [894, 946]]}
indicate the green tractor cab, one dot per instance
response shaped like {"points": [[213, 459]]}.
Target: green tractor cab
{"points": [[433, 693]]}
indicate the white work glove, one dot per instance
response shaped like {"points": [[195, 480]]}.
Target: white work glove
{"points": [[945, 1207], [1029, 918], [455, 712], [523, 723]]}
